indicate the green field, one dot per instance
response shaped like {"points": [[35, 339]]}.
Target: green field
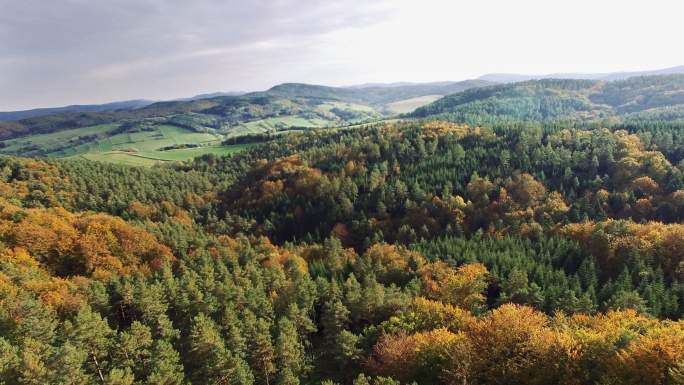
{"points": [[54, 143], [144, 146], [279, 123], [137, 148], [409, 105], [149, 158], [320, 117]]}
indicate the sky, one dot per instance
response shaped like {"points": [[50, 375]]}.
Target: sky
{"points": [[61, 52]]}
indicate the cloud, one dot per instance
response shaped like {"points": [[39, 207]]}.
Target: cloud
{"points": [[56, 52], [64, 51]]}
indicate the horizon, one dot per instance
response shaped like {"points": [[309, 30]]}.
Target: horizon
{"points": [[80, 53], [360, 85]]}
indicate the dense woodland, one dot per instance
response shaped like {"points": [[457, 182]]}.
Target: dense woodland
{"points": [[424, 251], [652, 98]]}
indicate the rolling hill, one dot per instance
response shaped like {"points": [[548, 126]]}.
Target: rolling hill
{"points": [[38, 112], [177, 130], [198, 125], [113, 106], [564, 99], [182, 129], [377, 95]]}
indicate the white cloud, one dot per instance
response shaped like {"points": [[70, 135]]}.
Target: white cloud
{"points": [[77, 51]]}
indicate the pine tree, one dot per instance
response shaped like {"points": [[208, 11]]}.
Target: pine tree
{"points": [[290, 354], [235, 340], [69, 365], [207, 352], [33, 367], [133, 349], [9, 362], [120, 376], [263, 353], [165, 368], [335, 316], [38, 321], [92, 336]]}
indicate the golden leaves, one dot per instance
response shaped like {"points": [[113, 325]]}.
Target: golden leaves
{"points": [[463, 286], [87, 244], [518, 344]]}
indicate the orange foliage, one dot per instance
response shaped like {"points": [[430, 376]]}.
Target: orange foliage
{"points": [[478, 188], [648, 359], [274, 256], [555, 205], [616, 239], [633, 162], [60, 294], [350, 168], [504, 344], [95, 245], [517, 344], [34, 174], [395, 260], [526, 190], [439, 128], [406, 358], [645, 185], [289, 176], [141, 210], [426, 314], [462, 286]]}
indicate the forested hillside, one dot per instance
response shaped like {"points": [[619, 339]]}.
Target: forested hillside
{"points": [[564, 99], [419, 251]]}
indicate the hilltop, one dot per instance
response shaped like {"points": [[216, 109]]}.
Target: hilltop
{"points": [[564, 99]]}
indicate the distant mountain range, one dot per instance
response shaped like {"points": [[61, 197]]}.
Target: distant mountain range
{"points": [[397, 84], [380, 96], [212, 95], [114, 106], [512, 78], [38, 112]]}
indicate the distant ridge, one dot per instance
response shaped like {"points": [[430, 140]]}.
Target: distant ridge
{"points": [[376, 94], [637, 98], [401, 84], [512, 78], [113, 106], [212, 95], [38, 112], [373, 93]]}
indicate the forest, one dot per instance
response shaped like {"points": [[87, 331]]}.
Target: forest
{"points": [[430, 250]]}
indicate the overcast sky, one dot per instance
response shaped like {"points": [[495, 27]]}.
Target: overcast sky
{"points": [[59, 52]]}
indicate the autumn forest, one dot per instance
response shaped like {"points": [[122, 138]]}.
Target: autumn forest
{"points": [[513, 234]]}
